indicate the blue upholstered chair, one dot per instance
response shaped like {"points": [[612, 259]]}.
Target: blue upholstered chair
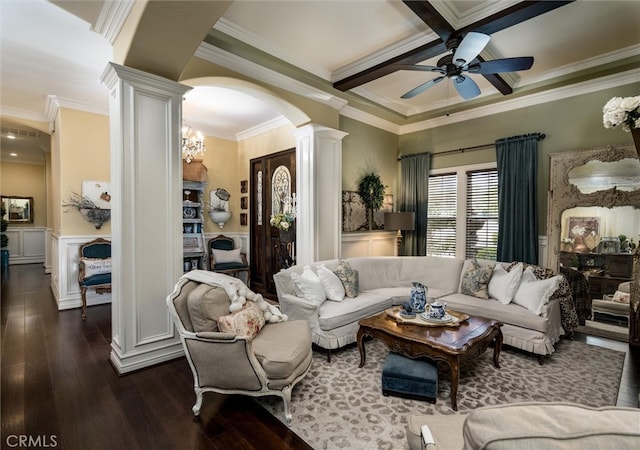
{"points": [[94, 269], [225, 258]]}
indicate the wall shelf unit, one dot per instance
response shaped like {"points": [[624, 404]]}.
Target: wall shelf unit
{"points": [[194, 251]]}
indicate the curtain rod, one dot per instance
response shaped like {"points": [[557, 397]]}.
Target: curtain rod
{"points": [[464, 149]]}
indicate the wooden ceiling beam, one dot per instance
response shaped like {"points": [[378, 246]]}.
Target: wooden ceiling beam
{"points": [[501, 20], [411, 57], [518, 13]]}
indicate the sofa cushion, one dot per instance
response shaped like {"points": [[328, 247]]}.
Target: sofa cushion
{"points": [[532, 293], [475, 280], [206, 304], [511, 313], [333, 287], [349, 278], [336, 314], [281, 347], [309, 286], [553, 425], [504, 285]]}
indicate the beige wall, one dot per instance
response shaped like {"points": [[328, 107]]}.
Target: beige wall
{"points": [[26, 180], [221, 159], [83, 154], [272, 141]]}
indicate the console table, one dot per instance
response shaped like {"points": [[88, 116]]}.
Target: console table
{"points": [[605, 270]]}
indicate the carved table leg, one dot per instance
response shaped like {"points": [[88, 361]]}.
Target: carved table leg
{"points": [[454, 364], [363, 354], [497, 348]]}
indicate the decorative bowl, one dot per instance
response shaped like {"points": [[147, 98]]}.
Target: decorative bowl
{"points": [[96, 216], [220, 217]]}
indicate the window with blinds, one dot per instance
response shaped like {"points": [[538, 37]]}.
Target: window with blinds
{"points": [[482, 214], [441, 215]]}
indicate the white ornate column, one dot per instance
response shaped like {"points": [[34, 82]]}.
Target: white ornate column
{"points": [[319, 193], [145, 116]]}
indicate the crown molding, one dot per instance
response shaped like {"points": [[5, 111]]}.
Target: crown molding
{"points": [[585, 87], [112, 18], [483, 9], [263, 128], [600, 60], [54, 102], [238, 64], [7, 111], [227, 27], [384, 55], [370, 119]]}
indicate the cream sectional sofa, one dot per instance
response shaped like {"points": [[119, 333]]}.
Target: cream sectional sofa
{"points": [[530, 425], [386, 281]]}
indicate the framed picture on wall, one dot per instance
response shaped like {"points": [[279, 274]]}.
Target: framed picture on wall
{"points": [[243, 219], [244, 202], [244, 186]]}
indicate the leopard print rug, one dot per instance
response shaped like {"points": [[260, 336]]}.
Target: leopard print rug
{"points": [[339, 406]]}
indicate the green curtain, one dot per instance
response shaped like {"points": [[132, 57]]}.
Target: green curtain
{"points": [[517, 159], [414, 194]]}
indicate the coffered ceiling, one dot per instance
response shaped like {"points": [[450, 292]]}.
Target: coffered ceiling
{"points": [[342, 50]]}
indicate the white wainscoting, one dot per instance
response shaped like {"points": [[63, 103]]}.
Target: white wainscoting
{"points": [[26, 245], [64, 251], [369, 243]]}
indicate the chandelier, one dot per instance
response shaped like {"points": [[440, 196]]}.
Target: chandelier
{"points": [[192, 143]]}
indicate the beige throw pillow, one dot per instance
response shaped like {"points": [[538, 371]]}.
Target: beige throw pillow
{"points": [[227, 256]]}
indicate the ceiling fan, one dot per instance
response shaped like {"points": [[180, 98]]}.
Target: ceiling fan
{"points": [[463, 59]]}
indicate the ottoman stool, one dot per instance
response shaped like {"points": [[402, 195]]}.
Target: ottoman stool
{"points": [[410, 378]]}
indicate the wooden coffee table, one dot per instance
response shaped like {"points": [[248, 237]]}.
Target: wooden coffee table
{"points": [[470, 339]]}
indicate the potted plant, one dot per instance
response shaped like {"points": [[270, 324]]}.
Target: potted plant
{"points": [[371, 190]]}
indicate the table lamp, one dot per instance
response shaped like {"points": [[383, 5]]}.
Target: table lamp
{"points": [[399, 221]]}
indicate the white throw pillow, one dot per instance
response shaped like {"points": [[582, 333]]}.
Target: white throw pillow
{"points": [[504, 285], [533, 294], [96, 266], [309, 286], [227, 256], [331, 283]]}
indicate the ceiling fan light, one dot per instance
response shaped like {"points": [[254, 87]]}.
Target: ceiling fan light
{"points": [[460, 62]]}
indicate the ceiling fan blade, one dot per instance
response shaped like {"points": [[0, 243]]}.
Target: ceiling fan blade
{"points": [[470, 47], [502, 65], [423, 87], [420, 68], [466, 87]]}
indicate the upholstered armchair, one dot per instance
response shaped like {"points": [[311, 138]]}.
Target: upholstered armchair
{"points": [[225, 258], [270, 362], [94, 270]]}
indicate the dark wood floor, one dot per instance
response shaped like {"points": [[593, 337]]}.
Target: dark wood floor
{"points": [[56, 381]]}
